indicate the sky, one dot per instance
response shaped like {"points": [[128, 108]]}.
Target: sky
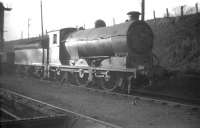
{"points": [[76, 13]]}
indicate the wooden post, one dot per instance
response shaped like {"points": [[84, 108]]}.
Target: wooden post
{"points": [[46, 68], [41, 14], [143, 9], [154, 15], [167, 12], [196, 5], [182, 10], [28, 27], [113, 21], [21, 34], [41, 18]]}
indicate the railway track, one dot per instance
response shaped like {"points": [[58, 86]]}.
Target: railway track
{"points": [[120, 109], [137, 95], [8, 114], [147, 96], [75, 120]]}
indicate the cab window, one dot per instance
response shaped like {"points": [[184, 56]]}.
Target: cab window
{"points": [[54, 38]]}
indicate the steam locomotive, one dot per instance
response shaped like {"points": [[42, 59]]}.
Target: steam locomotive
{"points": [[112, 57]]}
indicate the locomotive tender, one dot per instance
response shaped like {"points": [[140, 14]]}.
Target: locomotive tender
{"points": [[110, 56]]}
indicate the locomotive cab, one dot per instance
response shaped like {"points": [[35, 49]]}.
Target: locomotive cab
{"points": [[58, 55], [54, 44]]}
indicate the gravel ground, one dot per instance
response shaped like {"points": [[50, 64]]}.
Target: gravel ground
{"points": [[113, 109]]}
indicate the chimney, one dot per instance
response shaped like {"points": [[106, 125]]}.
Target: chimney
{"points": [[134, 15]]}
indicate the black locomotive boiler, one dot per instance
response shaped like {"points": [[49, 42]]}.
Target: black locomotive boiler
{"points": [[111, 56]]}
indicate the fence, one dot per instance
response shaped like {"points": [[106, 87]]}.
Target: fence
{"points": [[179, 11]]}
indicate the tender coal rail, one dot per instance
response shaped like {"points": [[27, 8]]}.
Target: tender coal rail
{"points": [[21, 111]]}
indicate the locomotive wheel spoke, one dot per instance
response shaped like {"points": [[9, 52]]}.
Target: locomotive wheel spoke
{"points": [[81, 81], [113, 83]]}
